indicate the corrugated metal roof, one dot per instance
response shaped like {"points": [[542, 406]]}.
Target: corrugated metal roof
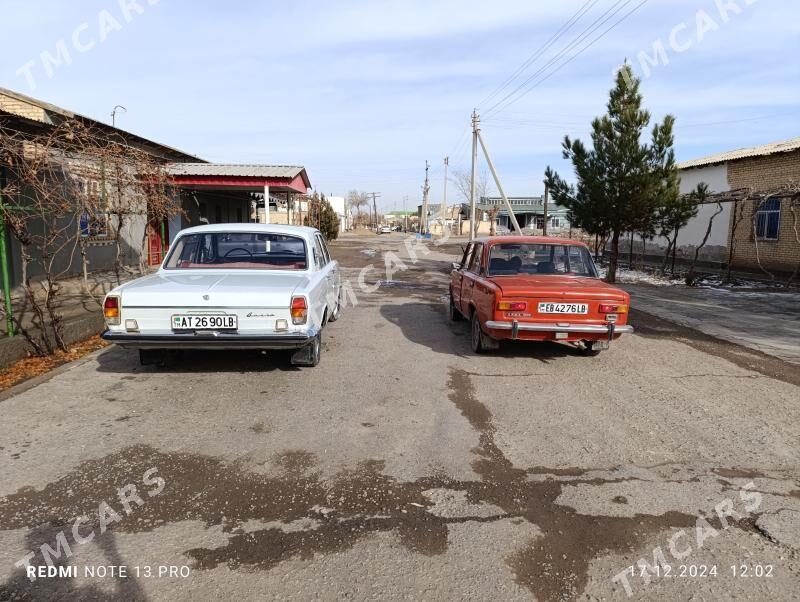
{"points": [[743, 153], [234, 170]]}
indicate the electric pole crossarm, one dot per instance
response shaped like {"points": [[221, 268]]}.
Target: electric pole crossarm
{"points": [[511, 215]]}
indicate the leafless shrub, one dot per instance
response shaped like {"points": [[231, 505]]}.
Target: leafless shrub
{"points": [[66, 185]]}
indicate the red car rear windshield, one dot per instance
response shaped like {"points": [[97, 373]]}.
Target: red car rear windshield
{"points": [[238, 250], [510, 259]]}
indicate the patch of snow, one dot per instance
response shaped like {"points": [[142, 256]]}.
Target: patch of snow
{"points": [[369, 252], [716, 281], [626, 276]]}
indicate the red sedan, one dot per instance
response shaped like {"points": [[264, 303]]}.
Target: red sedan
{"points": [[535, 288]]}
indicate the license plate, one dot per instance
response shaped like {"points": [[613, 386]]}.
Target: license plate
{"points": [[563, 308], [204, 322]]}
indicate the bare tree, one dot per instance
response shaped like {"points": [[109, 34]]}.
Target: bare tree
{"points": [[738, 217], [754, 232], [700, 195], [794, 202], [462, 179], [68, 183], [356, 200]]}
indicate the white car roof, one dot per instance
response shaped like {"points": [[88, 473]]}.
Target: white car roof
{"points": [[303, 231]]}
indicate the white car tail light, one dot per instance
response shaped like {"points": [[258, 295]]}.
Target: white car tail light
{"points": [[299, 310]]}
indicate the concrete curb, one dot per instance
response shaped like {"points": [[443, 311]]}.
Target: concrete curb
{"points": [[31, 383], [13, 349]]}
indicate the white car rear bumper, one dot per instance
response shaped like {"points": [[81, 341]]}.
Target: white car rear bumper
{"points": [[210, 340]]}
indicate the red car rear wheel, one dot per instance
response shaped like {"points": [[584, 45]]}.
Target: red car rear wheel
{"points": [[481, 342]]}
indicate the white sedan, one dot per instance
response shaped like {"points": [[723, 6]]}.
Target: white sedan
{"points": [[231, 286]]}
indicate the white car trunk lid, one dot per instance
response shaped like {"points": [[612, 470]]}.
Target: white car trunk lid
{"points": [[195, 289]]}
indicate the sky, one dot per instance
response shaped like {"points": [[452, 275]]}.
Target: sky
{"points": [[362, 93]]}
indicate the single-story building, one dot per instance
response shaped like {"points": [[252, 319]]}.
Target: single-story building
{"points": [[339, 206], [208, 193], [35, 118], [529, 211], [749, 227]]}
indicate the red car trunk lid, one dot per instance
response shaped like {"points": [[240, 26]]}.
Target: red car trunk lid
{"points": [[557, 287]]}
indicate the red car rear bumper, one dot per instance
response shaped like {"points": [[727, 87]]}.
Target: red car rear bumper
{"points": [[555, 331]]}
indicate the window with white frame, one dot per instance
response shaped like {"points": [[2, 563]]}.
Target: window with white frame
{"points": [[768, 219]]}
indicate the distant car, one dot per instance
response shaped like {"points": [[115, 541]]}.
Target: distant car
{"points": [[385, 230], [231, 286], [536, 289]]}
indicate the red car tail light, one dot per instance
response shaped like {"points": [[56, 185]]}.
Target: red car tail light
{"points": [[299, 310], [111, 310], [608, 308], [512, 306]]}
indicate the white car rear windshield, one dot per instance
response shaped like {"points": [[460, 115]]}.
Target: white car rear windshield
{"points": [[238, 250], [510, 259]]}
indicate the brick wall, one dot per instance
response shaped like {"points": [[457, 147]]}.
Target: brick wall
{"points": [[763, 173], [21, 108]]}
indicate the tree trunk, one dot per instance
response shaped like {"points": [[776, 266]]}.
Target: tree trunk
{"points": [[690, 279], [644, 249], [674, 248], [738, 217], [613, 259], [667, 252], [797, 239], [630, 251]]}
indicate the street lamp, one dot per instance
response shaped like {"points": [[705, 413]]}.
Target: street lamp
{"points": [[114, 114]]}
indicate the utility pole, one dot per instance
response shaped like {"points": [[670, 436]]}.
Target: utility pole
{"points": [[375, 195], [544, 212], [444, 197], [423, 227], [472, 226], [405, 215], [511, 215]]}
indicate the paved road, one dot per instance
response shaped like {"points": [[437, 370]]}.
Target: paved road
{"points": [[766, 321], [404, 466]]}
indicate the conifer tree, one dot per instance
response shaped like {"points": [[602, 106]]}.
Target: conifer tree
{"points": [[621, 182]]}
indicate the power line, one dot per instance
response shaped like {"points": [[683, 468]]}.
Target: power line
{"points": [[587, 31], [542, 49], [532, 82], [692, 125], [461, 146]]}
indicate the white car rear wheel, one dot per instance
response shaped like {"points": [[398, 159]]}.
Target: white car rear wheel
{"points": [[338, 311], [310, 355]]}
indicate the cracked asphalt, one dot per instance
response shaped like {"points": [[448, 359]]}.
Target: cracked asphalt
{"points": [[404, 466]]}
